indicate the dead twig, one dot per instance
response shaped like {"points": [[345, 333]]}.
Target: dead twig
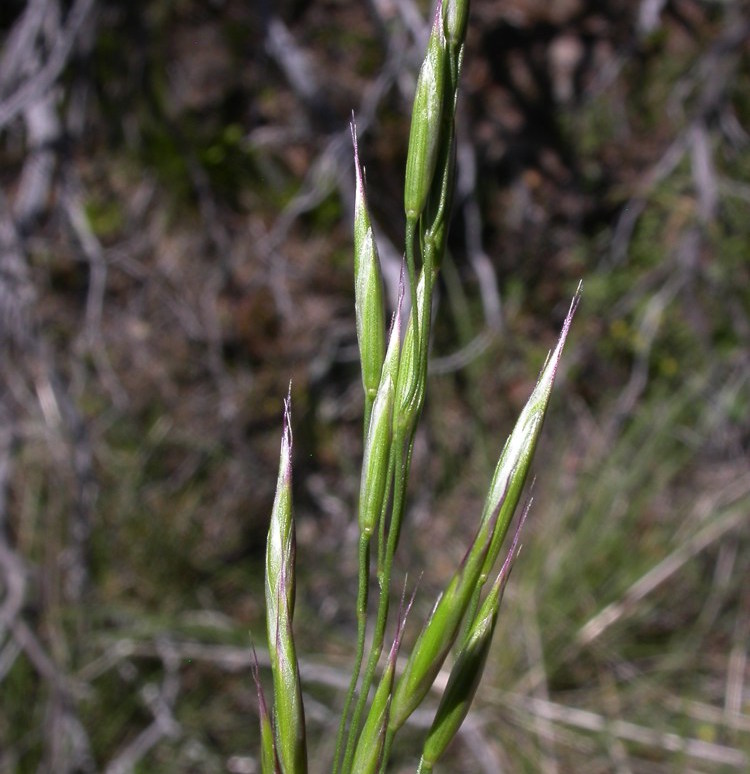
{"points": [[35, 86]]}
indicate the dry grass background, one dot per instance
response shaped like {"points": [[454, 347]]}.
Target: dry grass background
{"points": [[175, 215]]}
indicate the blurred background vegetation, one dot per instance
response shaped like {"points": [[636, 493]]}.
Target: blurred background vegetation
{"points": [[176, 190]]}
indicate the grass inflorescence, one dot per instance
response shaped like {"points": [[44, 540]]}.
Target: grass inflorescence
{"points": [[394, 378]]}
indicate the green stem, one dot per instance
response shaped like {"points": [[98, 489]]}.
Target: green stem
{"points": [[382, 522], [394, 529], [362, 597], [401, 466]]}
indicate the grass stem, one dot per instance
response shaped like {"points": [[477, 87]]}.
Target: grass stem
{"points": [[362, 599]]}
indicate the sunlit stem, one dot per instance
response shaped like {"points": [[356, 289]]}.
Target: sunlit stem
{"points": [[401, 466], [362, 598]]}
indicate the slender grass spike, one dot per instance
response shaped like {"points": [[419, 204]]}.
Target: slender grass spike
{"points": [[394, 379], [288, 715]]}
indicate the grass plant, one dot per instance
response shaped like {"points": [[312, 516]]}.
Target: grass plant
{"points": [[176, 252], [394, 378]]}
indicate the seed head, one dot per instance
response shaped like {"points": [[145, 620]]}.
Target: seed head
{"points": [[375, 463], [455, 19], [469, 666], [411, 383], [515, 460], [424, 136], [368, 286], [289, 737], [280, 545], [439, 632]]}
